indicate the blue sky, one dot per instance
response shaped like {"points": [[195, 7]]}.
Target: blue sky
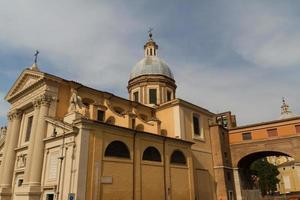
{"points": [[242, 56]]}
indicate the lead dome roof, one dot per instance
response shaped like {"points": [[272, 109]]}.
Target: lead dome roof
{"points": [[151, 65]]}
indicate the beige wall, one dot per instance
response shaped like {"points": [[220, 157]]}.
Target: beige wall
{"points": [[289, 179], [145, 176]]}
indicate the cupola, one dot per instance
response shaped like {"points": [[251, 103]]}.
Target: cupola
{"points": [[151, 80]]}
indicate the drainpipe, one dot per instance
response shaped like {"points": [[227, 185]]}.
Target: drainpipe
{"points": [[133, 167], [165, 161]]}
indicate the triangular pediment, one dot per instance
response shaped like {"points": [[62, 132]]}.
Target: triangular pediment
{"points": [[26, 79]]}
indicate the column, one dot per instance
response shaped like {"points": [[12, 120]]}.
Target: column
{"points": [[9, 126], [36, 106], [38, 149], [237, 184], [10, 155]]}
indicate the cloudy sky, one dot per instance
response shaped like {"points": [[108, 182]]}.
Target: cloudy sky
{"points": [[242, 56]]}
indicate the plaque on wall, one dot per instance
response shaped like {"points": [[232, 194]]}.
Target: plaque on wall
{"points": [[53, 162], [106, 179]]}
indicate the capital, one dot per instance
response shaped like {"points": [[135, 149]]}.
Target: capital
{"points": [[46, 99], [15, 114], [36, 103]]}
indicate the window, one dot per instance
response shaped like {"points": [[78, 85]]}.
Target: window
{"points": [[178, 158], [297, 128], [100, 115], [247, 136], [152, 96], [117, 149], [272, 132], [28, 129], [225, 121], [49, 196], [230, 194], [140, 127], [152, 154], [228, 176], [196, 125], [20, 182], [111, 120], [136, 96], [169, 96]]}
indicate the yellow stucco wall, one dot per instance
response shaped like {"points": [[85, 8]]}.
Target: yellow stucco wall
{"points": [[134, 176]]}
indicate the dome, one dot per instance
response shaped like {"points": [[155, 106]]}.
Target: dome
{"points": [[151, 65]]}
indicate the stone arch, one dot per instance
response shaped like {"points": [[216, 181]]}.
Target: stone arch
{"points": [[284, 146]]}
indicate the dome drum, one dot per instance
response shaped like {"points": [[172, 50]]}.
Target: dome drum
{"points": [[151, 80]]}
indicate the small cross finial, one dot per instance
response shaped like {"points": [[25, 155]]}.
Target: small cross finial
{"points": [[150, 32], [36, 56]]}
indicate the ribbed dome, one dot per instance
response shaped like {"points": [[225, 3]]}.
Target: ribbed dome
{"points": [[151, 65]]}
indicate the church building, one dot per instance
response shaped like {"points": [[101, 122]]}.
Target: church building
{"points": [[65, 140]]}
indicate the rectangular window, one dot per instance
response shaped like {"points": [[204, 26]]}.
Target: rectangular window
{"points": [[49, 196], [100, 115], [247, 136], [136, 96], [297, 128], [272, 132], [28, 129], [196, 125], [169, 96], [152, 96]]}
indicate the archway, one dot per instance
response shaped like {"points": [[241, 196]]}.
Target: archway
{"points": [[250, 183]]}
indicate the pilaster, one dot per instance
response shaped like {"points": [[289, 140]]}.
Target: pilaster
{"points": [[237, 184], [10, 154], [38, 149], [36, 105]]}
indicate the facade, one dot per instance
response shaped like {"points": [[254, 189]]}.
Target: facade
{"points": [[278, 140], [65, 140]]}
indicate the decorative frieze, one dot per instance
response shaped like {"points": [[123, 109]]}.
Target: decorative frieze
{"points": [[21, 160]]}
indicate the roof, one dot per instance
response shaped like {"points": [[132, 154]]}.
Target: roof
{"points": [[266, 123], [151, 65]]}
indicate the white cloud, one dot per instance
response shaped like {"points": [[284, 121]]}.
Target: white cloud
{"points": [[268, 37]]}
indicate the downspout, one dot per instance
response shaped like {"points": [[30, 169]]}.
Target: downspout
{"points": [[133, 167], [165, 161]]}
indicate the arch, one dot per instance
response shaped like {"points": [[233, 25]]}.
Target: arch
{"points": [[111, 120], [246, 160], [117, 149], [140, 127], [152, 154], [178, 158]]}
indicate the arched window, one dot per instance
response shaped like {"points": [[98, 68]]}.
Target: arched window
{"points": [[140, 127], [178, 158], [111, 120], [117, 149], [152, 154]]}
